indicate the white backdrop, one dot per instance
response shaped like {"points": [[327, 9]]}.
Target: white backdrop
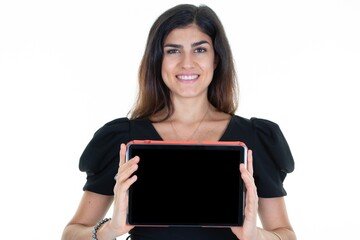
{"points": [[68, 67]]}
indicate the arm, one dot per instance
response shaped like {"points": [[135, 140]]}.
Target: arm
{"points": [[93, 207], [274, 219], [272, 213]]}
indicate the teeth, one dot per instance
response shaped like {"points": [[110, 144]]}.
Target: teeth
{"points": [[187, 77]]}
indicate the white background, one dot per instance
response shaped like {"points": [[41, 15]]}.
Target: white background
{"points": [[68, 67]]}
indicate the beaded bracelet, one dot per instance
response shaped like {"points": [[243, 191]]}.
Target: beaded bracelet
{"points": [[97, 226]]}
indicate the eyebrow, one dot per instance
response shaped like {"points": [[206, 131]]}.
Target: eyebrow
{"points": [[192, 45]]}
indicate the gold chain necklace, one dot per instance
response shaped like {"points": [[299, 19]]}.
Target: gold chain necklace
{"points": [[196, 129]]}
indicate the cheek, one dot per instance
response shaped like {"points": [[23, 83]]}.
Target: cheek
{"points": [[208, 70], [209, 66], [163, 71], [165, 74], [167, 68]]}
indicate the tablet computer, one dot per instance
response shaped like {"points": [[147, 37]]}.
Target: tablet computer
{"points": [[187, 184]]}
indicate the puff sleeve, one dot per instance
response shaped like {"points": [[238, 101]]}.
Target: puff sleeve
{"points": [[272, 158], [100, 158]]}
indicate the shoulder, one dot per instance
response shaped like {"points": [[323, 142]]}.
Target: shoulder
{"points": [[105, 144], [266, 136], [261, 128], [271, 153], [269, 132], [256, 124], [273, 140], [116, 126]]}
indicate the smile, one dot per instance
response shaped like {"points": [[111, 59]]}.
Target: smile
{"points": [[187, 77]]}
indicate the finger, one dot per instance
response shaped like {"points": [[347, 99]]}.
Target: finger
{"points": [[126, 185], [124, 180], [122, 154], [251, 201], [251, 190], [128, 169], [250, 162], [246, 175]]}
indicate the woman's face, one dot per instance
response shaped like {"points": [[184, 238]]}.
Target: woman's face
{"points": [[188, 62]]}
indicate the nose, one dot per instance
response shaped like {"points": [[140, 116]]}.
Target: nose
{"points": [[187, 61]]}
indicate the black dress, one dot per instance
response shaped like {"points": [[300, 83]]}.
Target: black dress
{"points": [[271, 154]]}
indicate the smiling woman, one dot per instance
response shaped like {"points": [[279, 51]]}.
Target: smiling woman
{"points": [[67, 67], [187, 92], [188, 63]]}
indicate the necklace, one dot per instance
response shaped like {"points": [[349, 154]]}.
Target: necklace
{"points": [[194, 132]]}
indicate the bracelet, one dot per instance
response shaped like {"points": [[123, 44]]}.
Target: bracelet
{"points": [[97, 226]]}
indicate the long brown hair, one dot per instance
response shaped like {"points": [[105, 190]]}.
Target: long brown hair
{"points": [[154, 95]]}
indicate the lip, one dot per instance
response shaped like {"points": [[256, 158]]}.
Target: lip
{"points": [[187, 77]]}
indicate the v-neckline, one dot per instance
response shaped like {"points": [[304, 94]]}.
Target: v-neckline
{"points": [[222, 137]]}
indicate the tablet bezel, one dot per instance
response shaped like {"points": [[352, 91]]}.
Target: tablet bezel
{"points": [[177, 145]]}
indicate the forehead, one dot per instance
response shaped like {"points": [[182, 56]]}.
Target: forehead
{"points": [[190, 33]]}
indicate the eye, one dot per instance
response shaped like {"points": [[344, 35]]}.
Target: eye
{"points": [[200, 50], [172, 51]]}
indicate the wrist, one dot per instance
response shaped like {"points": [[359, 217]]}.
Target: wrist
{"points": [[101, 230]]}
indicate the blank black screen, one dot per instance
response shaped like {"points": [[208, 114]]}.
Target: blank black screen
{"points": [[187, 185]]}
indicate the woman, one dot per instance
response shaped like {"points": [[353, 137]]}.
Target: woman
{"points": [[187, 91]]}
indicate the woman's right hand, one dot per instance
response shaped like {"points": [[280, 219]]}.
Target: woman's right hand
{"points": [[123, 182]]}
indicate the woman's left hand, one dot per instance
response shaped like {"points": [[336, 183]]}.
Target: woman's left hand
{"points": [[248, 230]]}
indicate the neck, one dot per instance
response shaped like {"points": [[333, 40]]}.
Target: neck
{"points": [[190, 111], [192, 123]]}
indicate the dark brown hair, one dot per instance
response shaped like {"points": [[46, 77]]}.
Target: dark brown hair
{"points": [[154, 95]]}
